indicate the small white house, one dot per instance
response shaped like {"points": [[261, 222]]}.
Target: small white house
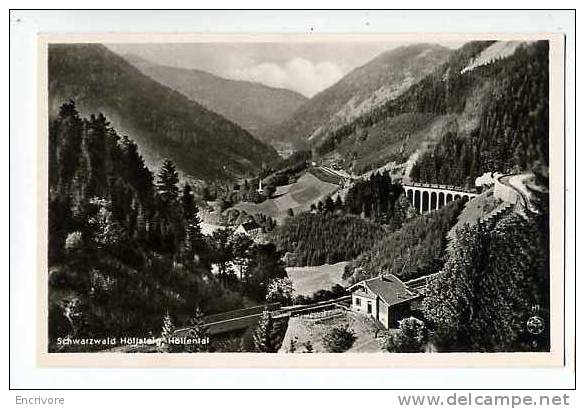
{"points": [[386, 298], [250, 228]]}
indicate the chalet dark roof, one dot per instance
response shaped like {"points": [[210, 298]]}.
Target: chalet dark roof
{"points": [[251, 225], [389, 288]]}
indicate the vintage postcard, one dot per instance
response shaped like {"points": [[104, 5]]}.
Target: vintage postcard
{"points": [[282, 200]]}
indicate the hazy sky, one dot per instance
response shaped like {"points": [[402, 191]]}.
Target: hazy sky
{"points": [[303, 67]]}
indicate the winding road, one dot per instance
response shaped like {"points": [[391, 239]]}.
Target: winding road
{"points": [[517, 182]]}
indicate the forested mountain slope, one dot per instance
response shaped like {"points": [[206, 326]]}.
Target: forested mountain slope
{"points": [[121, 249], [325, 238], [164, 123], [127, 249], [251, 105], [383, 78], [494, 278], [475, 115], [337, 230], [512, 130], [416, 249]]}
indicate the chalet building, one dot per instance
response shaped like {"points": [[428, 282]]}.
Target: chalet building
{"points": [[385, 298], [250, 228]]}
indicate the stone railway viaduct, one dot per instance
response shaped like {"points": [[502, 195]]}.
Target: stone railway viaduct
{"points": [[427, 197]]}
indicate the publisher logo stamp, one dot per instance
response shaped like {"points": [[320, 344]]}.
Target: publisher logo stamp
{"points": [[535, 325]]}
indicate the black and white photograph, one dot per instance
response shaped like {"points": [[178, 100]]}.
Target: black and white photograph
{"points": [[297, 194]]}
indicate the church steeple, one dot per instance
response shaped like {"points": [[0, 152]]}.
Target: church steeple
{"points": [[260, 188]]}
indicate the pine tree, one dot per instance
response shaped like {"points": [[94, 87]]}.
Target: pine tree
{"points": [[222, 250], [197, 322], [188, 201], [194, 241], [107, 231], [242, 247], [168, 331], [338, 203], [329, 205], [141, 222], [263, 334], [198, 331], [168, 179]]}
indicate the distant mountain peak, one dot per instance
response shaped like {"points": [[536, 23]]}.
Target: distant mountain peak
{"points": [[251, 105]]}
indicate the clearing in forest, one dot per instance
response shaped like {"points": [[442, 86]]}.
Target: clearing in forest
{"points": [[297, 196], [308, 280]]}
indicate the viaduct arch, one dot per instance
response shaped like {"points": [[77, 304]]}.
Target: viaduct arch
{"points": [[427, 197]]}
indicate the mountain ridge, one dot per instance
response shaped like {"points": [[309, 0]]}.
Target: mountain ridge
{"points": [[165, 123], [455, 123], [394, 70], [252, 105]]}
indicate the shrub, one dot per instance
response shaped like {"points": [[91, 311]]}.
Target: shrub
{"points": [[280, 290], [339, 339], [411, 336], [74, 241], [292, 348]]}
